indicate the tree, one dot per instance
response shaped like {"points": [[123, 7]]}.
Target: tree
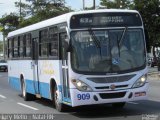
{"points": [[119, 4], [39, 10], [24, 9], [150, 12], [9, 23]]}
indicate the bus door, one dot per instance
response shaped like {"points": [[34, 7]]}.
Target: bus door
{"points": [[35, 64], [65, 78]]}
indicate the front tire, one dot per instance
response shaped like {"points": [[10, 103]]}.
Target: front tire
{"points": [[58, 105]]}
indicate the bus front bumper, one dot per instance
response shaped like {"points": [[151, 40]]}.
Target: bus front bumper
{"points": [[80, 98]]}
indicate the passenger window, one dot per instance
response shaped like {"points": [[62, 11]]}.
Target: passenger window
{"points": [[15, 49], [21, 46], [53, 42], [10, 48], [28, 45], [43, 43], [48, 43]]}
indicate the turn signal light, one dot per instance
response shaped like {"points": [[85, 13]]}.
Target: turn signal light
{"points": [[138, 94]]}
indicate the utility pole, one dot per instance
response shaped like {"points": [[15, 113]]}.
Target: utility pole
{"points": [[83, 4], [20, 10], [94, 4]]}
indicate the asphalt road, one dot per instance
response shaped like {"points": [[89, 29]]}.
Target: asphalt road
{"points": [[152, 69], [12, 103]]}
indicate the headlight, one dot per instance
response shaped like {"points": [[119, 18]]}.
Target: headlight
{"points": [[81, 85], [140, 82]]}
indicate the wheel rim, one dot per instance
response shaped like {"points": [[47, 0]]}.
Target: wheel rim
{"points": [[56, 98], [23, 90]]}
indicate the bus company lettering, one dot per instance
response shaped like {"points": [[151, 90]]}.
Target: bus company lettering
{"points": [[47, 68], [113, 19]]}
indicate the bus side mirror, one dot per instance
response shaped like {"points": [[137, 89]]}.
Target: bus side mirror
{"points": [[147, 41], [68, 45]]}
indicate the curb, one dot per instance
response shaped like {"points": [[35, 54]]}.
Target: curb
{"points": [[150, 73], [154, 75]]}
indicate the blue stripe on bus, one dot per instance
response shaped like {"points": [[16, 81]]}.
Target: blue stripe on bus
{"points": [[68, 100], [31, 87], [15, 83], [44, 90]]}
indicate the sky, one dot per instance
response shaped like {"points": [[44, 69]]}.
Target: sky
{"points": [[8, 6]]}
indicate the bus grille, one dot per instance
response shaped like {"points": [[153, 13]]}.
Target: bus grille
{"points": [[111, 79], [107, 87], [112, 95]]}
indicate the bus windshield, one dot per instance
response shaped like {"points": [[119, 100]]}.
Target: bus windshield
{"points": [[108, 51]]}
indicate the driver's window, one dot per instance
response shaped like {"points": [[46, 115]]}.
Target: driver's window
{"points": [[64, 44]]}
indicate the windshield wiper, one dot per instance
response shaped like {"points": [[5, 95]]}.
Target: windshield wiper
{"points": [[119, 42], [122, 36], [95, 40], [118, 47]]}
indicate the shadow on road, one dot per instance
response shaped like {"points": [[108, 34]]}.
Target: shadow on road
{"points": [[144, 107], [101, 111]]}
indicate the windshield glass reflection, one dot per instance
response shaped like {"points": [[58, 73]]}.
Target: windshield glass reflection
{"points": [[107, 50]]}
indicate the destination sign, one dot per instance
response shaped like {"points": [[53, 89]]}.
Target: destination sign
{"points": [[105, 20]]}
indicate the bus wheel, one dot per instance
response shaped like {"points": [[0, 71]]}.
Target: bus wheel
{"points": [[25, 95], [119, 105], [58, 105]]}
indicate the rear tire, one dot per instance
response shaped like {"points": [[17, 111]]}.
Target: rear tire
{"points": [[119, 105], [57, 103], [26, 96]]}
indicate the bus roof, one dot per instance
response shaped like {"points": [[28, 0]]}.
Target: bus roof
{"points": [[61, 19]]}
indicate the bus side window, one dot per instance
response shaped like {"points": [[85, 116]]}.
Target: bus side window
{"points": [[53, 43], [10, 48], [21, 50], [43, 45], [28, 45], [15, 49], [24, 45]]}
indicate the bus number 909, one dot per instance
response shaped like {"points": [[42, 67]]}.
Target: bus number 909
{"points": [[83, 96]]}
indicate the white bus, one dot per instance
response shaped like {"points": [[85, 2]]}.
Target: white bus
{"points": [[81, 58]]}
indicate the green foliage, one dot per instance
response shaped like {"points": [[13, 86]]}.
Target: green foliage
{"points": [[9, 23], [150, 12], [23, 8], [39, 10], [119, 4], [32, 12]]}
